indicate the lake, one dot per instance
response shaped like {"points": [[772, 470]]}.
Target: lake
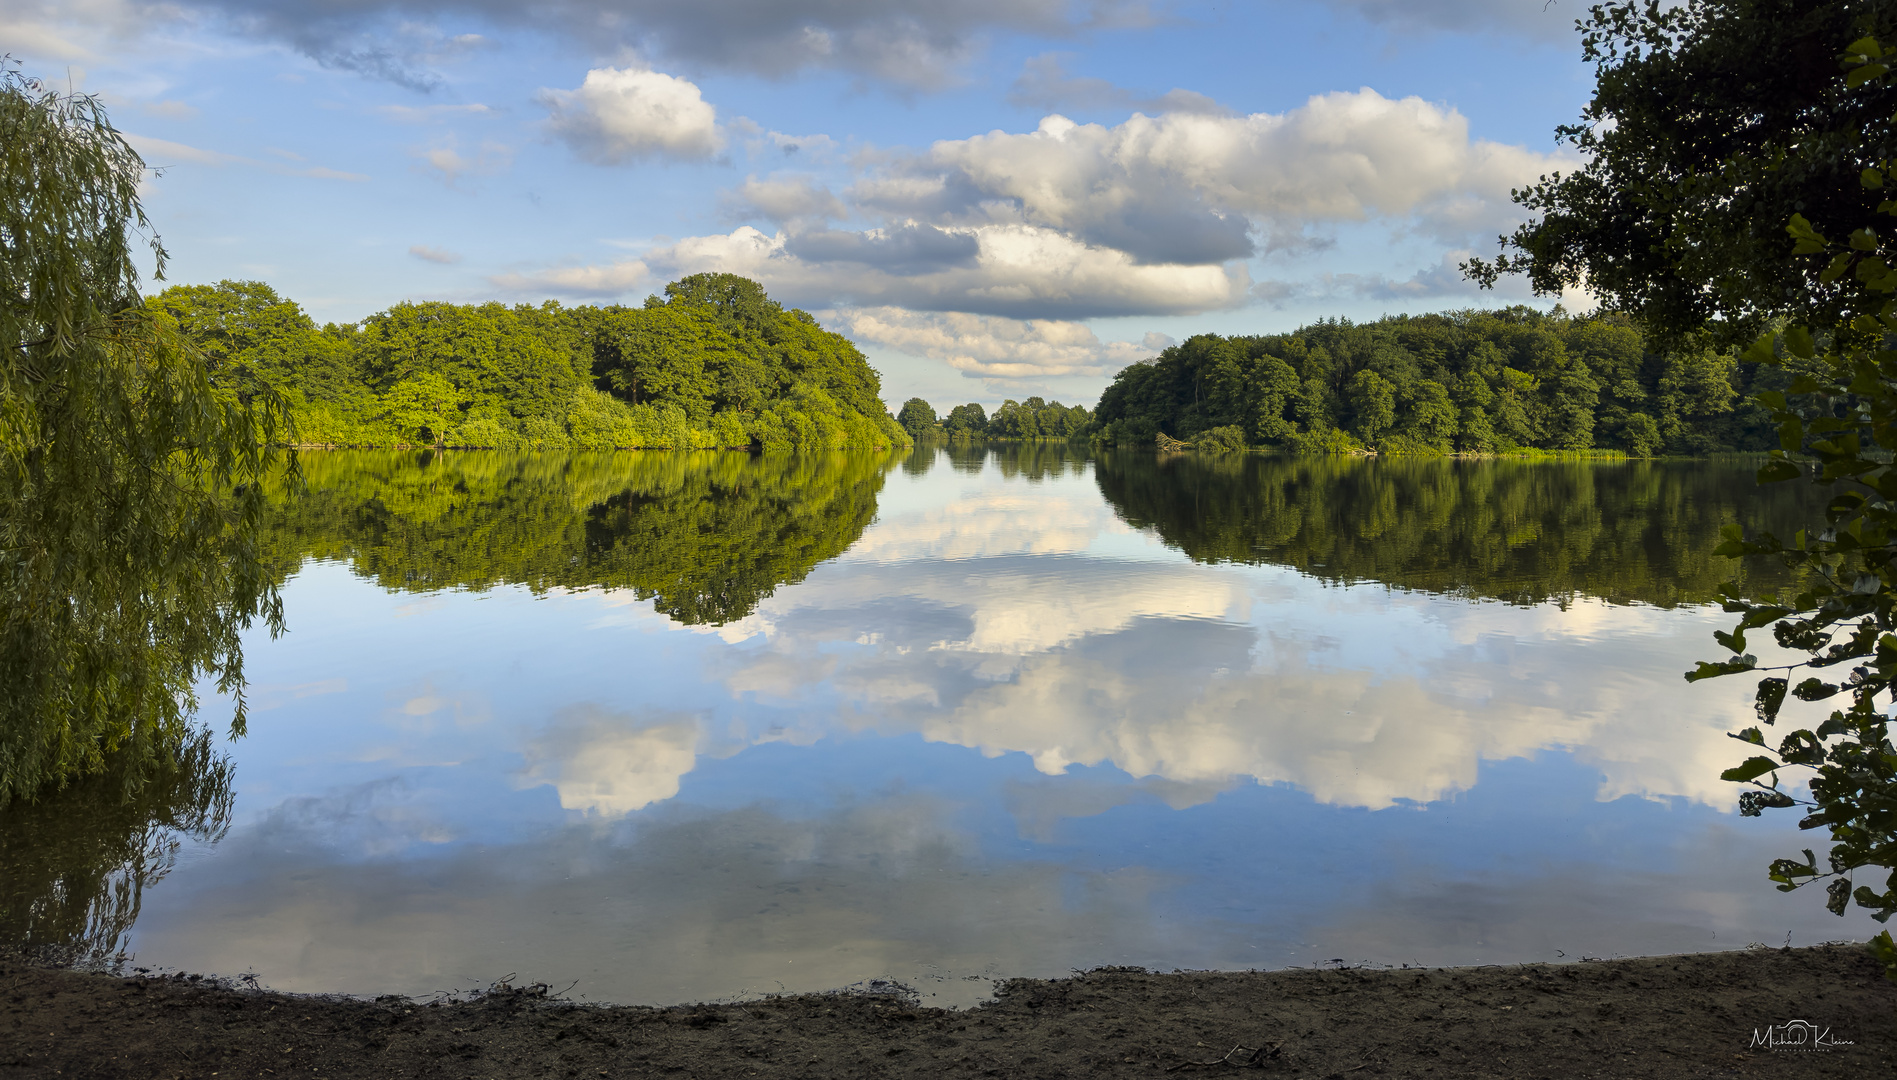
{"points": [[667, 727]]}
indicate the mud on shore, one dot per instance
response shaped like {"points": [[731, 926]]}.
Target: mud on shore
{"points": [[1710, 1014]]}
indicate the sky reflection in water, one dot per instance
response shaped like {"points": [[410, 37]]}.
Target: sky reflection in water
{"points": [[1004, 733]]}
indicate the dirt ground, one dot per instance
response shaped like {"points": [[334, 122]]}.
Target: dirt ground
{"points": [[1673, 1016]]}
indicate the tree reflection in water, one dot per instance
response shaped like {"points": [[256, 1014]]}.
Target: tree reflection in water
{"points": [[75, 864], [1522, 532], [706, 536]]}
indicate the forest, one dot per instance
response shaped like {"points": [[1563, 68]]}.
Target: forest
{"points": [[715, 363], [1502, 381]]}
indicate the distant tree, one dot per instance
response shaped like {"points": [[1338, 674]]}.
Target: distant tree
{"points": [[917, 417], [1432, 416], [1278, 392], [1372, 401], [967, 421]]}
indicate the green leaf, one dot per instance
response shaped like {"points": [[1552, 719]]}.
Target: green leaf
{"points": [[1752, 769], [1799, 343], [1865, 46], [1871, 178], [1858, 76]]}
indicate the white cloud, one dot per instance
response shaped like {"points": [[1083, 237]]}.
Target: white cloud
{"points": [[628, 114], [1189, 188], [796, 201], [1155, 215], [998, 269], [436, 255], [989, 346]]}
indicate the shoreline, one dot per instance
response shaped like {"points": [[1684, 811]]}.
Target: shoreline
{"points": [[1738, 1013]]}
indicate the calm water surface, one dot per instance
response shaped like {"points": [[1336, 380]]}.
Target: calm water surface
{"points": [[685, 727]]}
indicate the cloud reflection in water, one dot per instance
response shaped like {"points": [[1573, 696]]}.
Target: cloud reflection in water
{"points": [[1003, 734]]}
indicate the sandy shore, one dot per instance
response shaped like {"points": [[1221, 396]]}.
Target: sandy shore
{"points": [[1815, 1012]]}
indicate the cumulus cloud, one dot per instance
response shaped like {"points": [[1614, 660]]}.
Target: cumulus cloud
{"points": [[991, 347], [629, 114], [1187, 188], [1155, 215], [795, 201], [1000, 269]]}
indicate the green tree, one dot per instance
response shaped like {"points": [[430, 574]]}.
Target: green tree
{"points": [[967, 421], [1278, 392], [917, 418], [1372, 401], [1432, 416], [129, 567], [1472, 397], [1712, 123]]}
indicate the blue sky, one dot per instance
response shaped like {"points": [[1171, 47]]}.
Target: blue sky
{"points": [[993, 198]]}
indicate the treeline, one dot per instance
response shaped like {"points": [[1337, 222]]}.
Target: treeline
{"points": [[1025, 421], [1473, 381], [714, 364]]}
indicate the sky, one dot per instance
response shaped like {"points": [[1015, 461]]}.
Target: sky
{"points": [[994, 199]]}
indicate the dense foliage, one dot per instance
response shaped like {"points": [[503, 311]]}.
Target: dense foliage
{"points": [[129, 479], [706, 536], [1746, 138], [1025, 421], [1473, 381], [716, 363], [1712, 123], [1498, 529]]}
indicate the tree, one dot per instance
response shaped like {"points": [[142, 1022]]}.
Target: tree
{"points": [[967, 421], [130, 484], [1432, 416], [1372, 404], [1712, 123], [1743, 142], [1278, 393], [917, 418]]}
